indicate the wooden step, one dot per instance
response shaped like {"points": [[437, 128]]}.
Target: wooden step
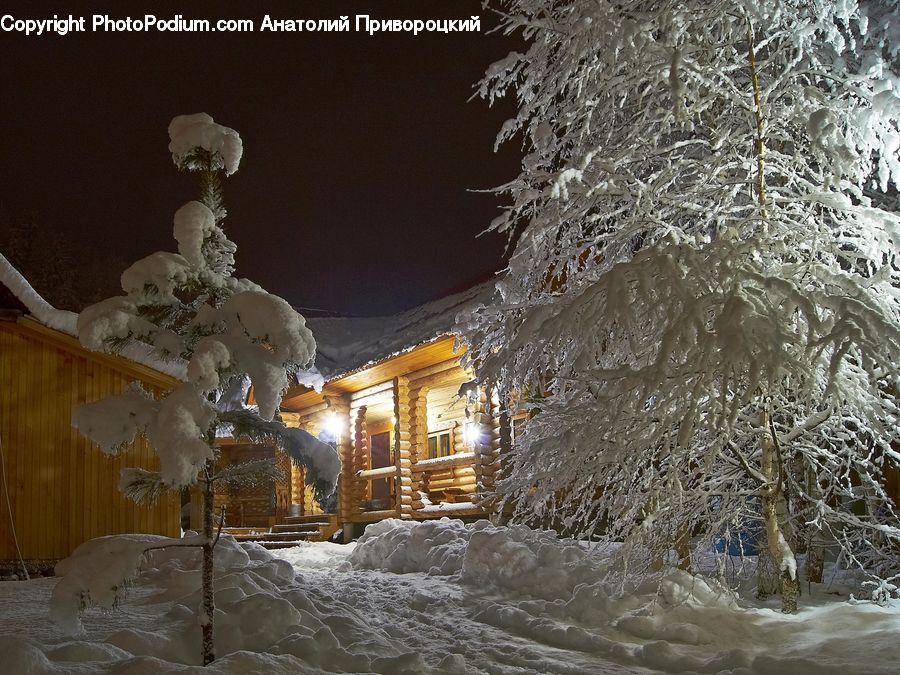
{"points": [[299, 527], [319, 518], [235, 531], [277, 544], [277, 536]]}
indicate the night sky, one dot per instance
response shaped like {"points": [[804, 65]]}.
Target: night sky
{"points": [[359, 151]]}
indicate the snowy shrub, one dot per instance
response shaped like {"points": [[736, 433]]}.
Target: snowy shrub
{"points": [[229, 331]]}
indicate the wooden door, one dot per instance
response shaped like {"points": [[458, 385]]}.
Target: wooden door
{"points": [[380, 445]]}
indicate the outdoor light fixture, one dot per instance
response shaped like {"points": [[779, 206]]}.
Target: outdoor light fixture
{"points": [[333, 425], [470, 434]]}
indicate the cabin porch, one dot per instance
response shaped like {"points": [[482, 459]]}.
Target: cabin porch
{"points": [[423, 444]]}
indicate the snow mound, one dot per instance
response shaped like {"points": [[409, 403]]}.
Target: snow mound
{"points": [[266, 621], [529, 562], [435, 547], [96, 575]]}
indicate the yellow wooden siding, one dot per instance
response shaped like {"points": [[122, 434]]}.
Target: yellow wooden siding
{"points": [[63, 490]]}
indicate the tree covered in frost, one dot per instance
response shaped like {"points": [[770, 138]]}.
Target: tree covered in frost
{"points": [[230, 332], [701, 310]]}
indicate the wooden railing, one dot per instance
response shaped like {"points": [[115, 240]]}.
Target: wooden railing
{"points": [[382, 472]]}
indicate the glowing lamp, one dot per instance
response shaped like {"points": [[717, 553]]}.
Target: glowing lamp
{"points": [[470, 434], [333, 425]]}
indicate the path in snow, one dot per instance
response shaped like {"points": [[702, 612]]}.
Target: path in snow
{"points": [[434, 617]]}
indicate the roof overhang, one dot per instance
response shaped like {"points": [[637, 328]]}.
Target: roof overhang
{"points": [[422, 356]]}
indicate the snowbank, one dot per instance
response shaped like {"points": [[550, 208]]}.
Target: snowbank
{"points": [[468, 598], [556, 593], [266, 619], [530, 562]]}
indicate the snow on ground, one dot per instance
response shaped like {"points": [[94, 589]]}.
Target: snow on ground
{"points": [[442, 597]]}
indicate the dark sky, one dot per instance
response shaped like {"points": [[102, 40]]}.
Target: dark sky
{"points": [[359, 151]]}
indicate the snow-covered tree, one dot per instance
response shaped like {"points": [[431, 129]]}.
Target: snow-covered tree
{"points": [[230, 332], [702, 308]]}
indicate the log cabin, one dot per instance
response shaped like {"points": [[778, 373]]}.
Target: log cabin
{"points": [[57, 489], [417, 437]]}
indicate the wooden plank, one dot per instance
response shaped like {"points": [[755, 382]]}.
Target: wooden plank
{"points": [[81, 446], [33, 467], [7, 548], [120, 363], [20, 387], [47, 452], [90, 469]]}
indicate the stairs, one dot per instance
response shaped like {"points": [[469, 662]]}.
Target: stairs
{"points": [[294, 530]]}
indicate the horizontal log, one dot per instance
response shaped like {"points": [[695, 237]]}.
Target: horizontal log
{"points": [[438, 463], [383, 387], [452, 483], [382, 472]]}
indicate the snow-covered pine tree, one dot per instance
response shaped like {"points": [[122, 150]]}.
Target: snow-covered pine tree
{"points": [[702, 309], [229, 331]]}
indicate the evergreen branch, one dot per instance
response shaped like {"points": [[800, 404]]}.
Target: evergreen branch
{"points": [[305, 450], [249, 474], [140, 486]]}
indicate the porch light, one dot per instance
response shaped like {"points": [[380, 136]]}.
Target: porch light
{"points": [[333, 425], [470, 434]]}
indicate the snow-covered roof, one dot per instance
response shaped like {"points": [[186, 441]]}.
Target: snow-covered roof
{"points": [[347, 344], [66, 322]]}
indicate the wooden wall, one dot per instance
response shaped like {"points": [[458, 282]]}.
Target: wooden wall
{"points": [[62, 489]]}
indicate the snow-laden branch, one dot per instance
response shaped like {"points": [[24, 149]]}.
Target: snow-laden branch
{"points": [[706, 233], [42, 310]]}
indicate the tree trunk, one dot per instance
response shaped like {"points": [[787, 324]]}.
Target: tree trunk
{"points": [[778, 546], [768, 581], [815, 553], [208, 609]]}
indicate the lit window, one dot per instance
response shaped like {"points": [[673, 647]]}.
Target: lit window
{"points": [[439, 445]]}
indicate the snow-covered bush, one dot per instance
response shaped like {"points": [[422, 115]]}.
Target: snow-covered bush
{"points": [[188, 306], [701, 312]]}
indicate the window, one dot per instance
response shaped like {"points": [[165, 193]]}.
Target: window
{"points": [[439, 445]]}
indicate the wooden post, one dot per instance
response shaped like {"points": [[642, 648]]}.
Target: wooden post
{"points": [[403, 483], [341, 407], [297, 475], [359, 489], [418, 441], [487, 444]]}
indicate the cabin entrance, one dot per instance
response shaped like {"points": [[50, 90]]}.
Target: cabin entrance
{"points": [[381, 457]]}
